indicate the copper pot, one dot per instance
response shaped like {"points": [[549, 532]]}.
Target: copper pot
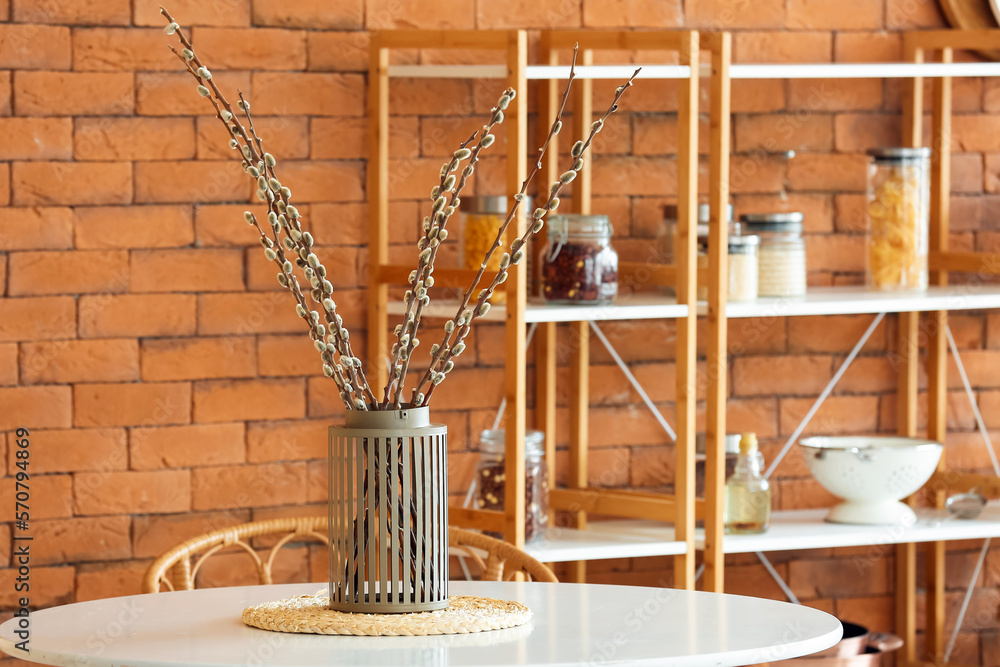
{"points": [[858, 648]]}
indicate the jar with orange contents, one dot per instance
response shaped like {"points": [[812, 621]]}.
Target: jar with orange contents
{"points": [[482, 217]]}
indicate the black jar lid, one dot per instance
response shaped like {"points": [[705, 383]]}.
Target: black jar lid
{"points": [[491, 204], [773, 222], [898, 155]]}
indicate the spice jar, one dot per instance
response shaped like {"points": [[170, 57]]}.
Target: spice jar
{"points": [[781, 256], [578, 264], [743, 267], [897, 218], [481, 220], [732, 449], [489, 482]]}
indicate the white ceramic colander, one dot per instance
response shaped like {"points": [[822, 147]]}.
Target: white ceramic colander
{"points": [[872, 474]]}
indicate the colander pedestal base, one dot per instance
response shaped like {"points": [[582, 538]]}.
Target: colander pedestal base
{"points": [[891, 512]]}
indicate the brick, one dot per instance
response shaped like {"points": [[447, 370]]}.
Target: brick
{"points": [[198, 358], [121, 49], [173, 94], [51, 495], [50, 586], [782, 47], [337, 51], [838, 415], [527, 14], [308, 93], [36, 138], [387, 15], [910, 14], [773, 132], [73, 93], [850, 15], [449, 97], [256, 48], [19, 47], [134, 227], [68, 272], [159, 492], [313, 14], [38, 407], [287, 355], [634, 176], [728, 14], [73, 450], [867, 47], [817, 209], [821, 172], [347, 267], [248, 486], [187, 182], [633, 13], [187, 446], [757, 96], [758, 416], [348, 222], [834, 334], [835, 253], [967, 173], [4, 184], [757, 172], [247, 314], [658, 135], [223, 225], [8, 364], [324, 399], [311, 180], [67, 361], [855, 133], [187, 270], [287, 441], [347, 138], [816, 95], [47, 318], [38, 228], [71, 183], [134, 139], [194, 12], [820, 578], [974, 133], [107, 12], [652, 466], [286, 137], [137, 315], [5, 88], [134, 404], [101, 581], [785, 375], [80, 539], [236, 400], [154, 535]]}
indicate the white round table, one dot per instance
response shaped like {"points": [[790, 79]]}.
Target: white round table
{"points": [[573, 624]]}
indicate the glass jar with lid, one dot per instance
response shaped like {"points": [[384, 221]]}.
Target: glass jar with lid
{"points": [[743, 265], [578, 264], [781, 256], [490, 481], [897, 218], [482, 217]]}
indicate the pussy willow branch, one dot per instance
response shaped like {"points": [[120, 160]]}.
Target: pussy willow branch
{"points": [[440, 220], [282, 215], [446, 354], [462, 320], [419, 277]]}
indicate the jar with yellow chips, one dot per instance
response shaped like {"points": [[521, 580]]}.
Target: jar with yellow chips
{"points": [[482, 217], [897, 218]]}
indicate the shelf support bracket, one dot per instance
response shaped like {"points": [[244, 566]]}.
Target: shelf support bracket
{"points": [[825, 394], [980, 424], [777, 578], [968, 597]]}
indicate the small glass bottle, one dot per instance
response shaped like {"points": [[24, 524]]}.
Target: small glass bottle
{"points": [[578, 265], [490, 485], [748, 494]]}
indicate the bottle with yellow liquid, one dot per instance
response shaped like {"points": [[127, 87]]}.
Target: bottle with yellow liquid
{"points": [[748, 495]]}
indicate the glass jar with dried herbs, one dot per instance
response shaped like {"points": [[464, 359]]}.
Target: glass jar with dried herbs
{"points": [[489, 485]]}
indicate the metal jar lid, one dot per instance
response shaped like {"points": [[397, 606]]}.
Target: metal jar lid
{"points": [[773, 222], [494, 441], [899, 154], [573, 224], [732, 443], [491, 204], [743, 245], [670, 212]]}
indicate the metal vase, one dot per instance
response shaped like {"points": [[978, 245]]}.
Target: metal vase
{"points": [[388, 512]]}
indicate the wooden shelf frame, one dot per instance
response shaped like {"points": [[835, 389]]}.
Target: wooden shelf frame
{"points": [[929, 54], [579, 498]]}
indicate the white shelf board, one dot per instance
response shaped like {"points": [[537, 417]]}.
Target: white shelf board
{"points": [[636, 307], [860, 70], [807, 529], [620, 538], [858, 300], [538, 71]]}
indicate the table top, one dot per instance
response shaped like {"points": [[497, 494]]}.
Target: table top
{"points": [[573, 624]]}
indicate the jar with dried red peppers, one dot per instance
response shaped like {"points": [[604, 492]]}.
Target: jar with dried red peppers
{"points": [[489, 486], [578, 264]]}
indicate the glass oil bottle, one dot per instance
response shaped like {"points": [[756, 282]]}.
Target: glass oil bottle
{"points": [[748, 494]]}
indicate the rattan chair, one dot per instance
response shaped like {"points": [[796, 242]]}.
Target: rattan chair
{"points": [[177, 568]]}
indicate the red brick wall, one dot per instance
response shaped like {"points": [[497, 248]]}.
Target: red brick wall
{"points": [[169, 388]]}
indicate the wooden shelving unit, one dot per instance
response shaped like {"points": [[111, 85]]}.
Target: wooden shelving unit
{"points": [[657, 524], [675, 534]]}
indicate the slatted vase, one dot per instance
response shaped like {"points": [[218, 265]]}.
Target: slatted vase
{"points": [[388, 512]]}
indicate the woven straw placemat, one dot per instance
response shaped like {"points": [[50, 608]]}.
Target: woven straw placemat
{"points": [[309, 614]]}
